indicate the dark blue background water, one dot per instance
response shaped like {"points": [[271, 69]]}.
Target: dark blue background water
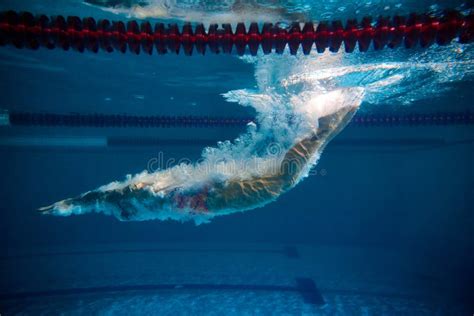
{"points": [[415, 200]]}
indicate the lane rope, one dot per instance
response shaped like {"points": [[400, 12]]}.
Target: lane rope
{"points": [[25, 30]]}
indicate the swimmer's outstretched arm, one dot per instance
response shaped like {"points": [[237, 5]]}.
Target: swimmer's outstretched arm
{"points": [[249, 193], [297, 158]]}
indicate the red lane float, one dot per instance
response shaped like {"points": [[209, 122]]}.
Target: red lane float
{"points": [[25, 30]]}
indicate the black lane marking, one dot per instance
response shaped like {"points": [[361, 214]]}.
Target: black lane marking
{"points": [[305, 287]]}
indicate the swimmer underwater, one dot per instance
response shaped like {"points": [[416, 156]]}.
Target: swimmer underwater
{"points": [[190, 195], [145, 200]]}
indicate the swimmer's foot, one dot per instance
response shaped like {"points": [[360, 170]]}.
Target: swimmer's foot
{"points": [[62, 208], [54, 209], [46, 209]]}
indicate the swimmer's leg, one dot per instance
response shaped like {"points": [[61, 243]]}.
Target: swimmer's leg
{"points": [[121, 203], [85, 203]]}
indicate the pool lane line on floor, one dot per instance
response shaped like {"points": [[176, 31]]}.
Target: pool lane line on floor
{"points": [[306, 287]]}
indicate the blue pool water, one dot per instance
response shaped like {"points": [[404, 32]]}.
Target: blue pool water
{"points": [[382, 225]]}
